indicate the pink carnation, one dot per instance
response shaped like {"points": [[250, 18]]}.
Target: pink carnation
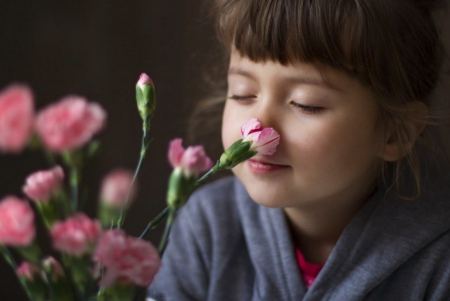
{"points": [[41, 185], [264, 141], [28, 270], [16, 222], [16, 117], [126, 259], [76, 235], [192, 160], [70, 123], [115, 188]]}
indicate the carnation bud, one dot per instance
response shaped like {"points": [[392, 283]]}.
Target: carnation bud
{"points": [[57, 278], [53, 268], [41, 187], [28, 271], [235, 154], [115, 187], [145, 97], [117, 192], [33, 278], [180, 187], [188, 164]]}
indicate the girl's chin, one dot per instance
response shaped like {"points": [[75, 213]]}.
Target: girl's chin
{"points": [[266, 197]]}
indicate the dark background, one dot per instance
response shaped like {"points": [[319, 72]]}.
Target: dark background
{"points": [[98, 49]]}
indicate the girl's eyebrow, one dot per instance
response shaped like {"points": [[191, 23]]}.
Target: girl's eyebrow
{"points": [[238, 71], [297, 80]]}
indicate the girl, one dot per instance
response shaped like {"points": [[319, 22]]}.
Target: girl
{"points": [[329, 216]]}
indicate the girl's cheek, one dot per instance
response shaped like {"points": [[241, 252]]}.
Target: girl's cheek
{"points": [[226, 131], [224, 136], [229, 136], [231, 125]]}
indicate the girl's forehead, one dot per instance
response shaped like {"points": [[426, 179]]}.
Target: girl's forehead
{"points": [[244, 66], [240, 61], [295, 72]]}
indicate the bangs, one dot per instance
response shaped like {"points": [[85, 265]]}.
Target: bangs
{"points": [[287, 31], [373, 40]]}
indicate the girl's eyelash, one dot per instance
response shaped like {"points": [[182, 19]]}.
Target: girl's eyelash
{"points": [[308, 109], [239, 97]]}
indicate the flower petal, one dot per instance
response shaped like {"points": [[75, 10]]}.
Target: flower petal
{"points": [[70, 123], [195, 160], [115, 186], [175, 152], [250, 126], [41, 185], [16, 117], [16, 222], [266, 142]]}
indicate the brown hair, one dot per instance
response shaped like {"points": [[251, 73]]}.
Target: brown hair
{"points": [[391, 46]]}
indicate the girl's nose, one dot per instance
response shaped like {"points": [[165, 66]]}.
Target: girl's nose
{"points": [[267, 114]]}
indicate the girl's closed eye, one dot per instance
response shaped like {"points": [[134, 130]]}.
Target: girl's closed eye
{"points": [[241, 97], [306, 108]]}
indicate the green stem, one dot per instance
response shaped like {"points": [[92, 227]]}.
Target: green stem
{"points": [[8, 257], [68, 273], [101, 293], [212, 171], [74, 186], [155, 222], [10, 260], [101, 290], [168, 211], [49, 283], [169, 222], [63, 203], [123, 212]]}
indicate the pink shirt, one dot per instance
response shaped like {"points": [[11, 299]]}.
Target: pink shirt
{"points": [[308, 270]]}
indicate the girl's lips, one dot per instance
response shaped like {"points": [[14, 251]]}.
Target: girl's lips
{"points": [[264, 167]]}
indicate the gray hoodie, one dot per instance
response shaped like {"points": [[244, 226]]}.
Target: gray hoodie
{"points": [[224, 246]]}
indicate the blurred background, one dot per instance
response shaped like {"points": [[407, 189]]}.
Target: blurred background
{"points": [[98, 49]]}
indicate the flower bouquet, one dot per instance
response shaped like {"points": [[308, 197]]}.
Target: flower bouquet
{"points": [[93, 258]]}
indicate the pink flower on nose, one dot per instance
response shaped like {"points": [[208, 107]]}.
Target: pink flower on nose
{"points": [[192, 160], [70, 123], [41, 185], [16, 222], [126, 259], [76, 236], [115, 188], [255, 141], [16, 118], [264, 140]]}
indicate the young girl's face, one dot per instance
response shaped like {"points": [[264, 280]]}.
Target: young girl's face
{"points": [[331, 145]]}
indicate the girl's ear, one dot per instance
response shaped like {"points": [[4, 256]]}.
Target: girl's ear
{"points": [[401, 138]]}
